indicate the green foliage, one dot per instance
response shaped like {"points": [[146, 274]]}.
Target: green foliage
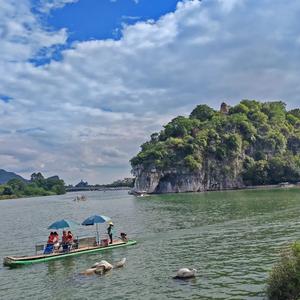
{"points": [[293, 143], [295, 112], [16, 185], [180, 126], [202, 113], [233, 142], [261, 137], [275, 111], [257, 118], [38, 186], [257, 173], [239, 109], [7, 190], [292, 119], [252, 105], [284, 279], [191, 163]]}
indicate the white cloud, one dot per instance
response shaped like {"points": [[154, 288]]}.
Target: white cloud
{"points": [[21, 33], [86, 115], [228, 5], [47, 5]]}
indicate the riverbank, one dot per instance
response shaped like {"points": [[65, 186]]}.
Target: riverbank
{"points": [[6, 197], [252, 187], [11, 197]]}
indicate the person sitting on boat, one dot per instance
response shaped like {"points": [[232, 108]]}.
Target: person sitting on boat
{"points": [[50, 243], [124, 237], [110, 231], [64, 238], [56, 240], [67, 240], [70, 238], [50, 239]]}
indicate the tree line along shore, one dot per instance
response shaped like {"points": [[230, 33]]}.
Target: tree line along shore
{"points": [[38, 185]]}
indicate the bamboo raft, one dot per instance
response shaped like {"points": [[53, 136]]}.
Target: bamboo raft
{"points": [[13, 261]]}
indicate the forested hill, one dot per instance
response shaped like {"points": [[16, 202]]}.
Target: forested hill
{"points": [[38, 185], [6, 176], [252, 143]]}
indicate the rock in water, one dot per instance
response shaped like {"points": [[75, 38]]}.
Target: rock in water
{"points": [[185, 273], [120, 263]]}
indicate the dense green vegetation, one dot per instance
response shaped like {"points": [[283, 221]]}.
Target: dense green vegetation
{"points": [[263, 137], [37, 186], [284, 279]]}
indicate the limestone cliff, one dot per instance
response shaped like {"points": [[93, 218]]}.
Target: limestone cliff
{"points": [[210, 177]]}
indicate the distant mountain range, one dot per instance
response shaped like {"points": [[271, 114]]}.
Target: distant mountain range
{"points": [[7, 176]]}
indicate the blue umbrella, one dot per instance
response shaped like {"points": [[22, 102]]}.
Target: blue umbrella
{"points": [[95, 219], [61, 224]]}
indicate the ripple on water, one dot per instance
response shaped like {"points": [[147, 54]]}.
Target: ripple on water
{"points": [[231, 238]]}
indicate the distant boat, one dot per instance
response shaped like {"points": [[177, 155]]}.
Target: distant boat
{"points": [[138, 193], [80, 198]]}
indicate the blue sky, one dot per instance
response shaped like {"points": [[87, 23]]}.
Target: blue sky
{"points": [[97, 20], [85, 82], [94, 19]]}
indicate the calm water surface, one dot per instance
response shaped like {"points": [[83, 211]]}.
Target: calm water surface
{"points": [[232, 238]]}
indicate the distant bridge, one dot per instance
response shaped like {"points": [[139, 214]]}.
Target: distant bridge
{"points": [[97, 188]]}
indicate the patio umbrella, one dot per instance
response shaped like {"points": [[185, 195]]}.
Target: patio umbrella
{"points": [[61, 224], [95, 219]]}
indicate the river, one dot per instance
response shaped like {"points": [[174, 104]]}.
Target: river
{"points": [[232, 238]]}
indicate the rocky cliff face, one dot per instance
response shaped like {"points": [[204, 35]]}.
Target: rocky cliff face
{"points": [[212, 176]]}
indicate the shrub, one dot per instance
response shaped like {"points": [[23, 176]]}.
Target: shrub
{"points": [[240, 108], [284, 279], [202, 112], [191, 163]]}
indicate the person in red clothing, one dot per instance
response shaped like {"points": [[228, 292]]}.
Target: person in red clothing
{"points": [[50, 238], [64, 238], [50, 244], [70, 238]]}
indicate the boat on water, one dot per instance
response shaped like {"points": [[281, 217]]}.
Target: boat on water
{"points": [[54, 249], [138, 193], [80, 198], [84, 246]]}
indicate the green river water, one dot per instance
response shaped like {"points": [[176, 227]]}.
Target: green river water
{"points": [[232, 238]]}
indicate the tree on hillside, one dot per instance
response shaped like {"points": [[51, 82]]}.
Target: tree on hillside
{"points": [[202, 112]]}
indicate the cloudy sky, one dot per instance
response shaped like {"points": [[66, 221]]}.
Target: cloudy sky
{"points": [[84, 82]]}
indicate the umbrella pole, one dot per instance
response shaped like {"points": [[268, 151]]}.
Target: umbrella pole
{"points": [[97, 233]]}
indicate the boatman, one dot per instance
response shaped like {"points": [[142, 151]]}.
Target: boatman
{"points": [[110, 231]]}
